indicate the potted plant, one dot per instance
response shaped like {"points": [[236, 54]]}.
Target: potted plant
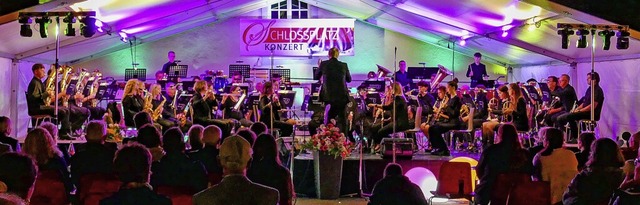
{"points": [[330, 147]]}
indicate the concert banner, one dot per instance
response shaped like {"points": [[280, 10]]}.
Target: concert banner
{"points": [[296, 37]]}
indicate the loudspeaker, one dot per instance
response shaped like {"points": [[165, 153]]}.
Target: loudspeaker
{"points": [[404, 147]]}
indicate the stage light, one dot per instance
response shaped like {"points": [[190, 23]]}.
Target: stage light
{"points": [[606, 38], [623, 40], [462, 42], [424, 178], [582, 40], [25, 28], [505, 34], [70, 31], [531, 27], [88, 27], [124, 37], [565, 33], [44, 23]]}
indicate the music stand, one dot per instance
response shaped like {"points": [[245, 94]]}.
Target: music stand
{"points": [[102, 91], [188, 86], [284, 73], [245, 70], [315, 75], [287, 98], [527, 99], [140, 74], [71, 89], [489, 84], [375, 97], [183, 100], [421, 72], [546, 92], [111, 90], [178, 71], [377, 85], [533, 93]]}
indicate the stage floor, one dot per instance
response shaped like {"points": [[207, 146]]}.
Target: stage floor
{"points": [[373, 164]]}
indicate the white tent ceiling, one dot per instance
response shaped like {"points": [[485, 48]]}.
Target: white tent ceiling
{"points": [[436, 22]]}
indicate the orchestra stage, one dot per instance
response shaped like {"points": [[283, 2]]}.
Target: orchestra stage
{"points": [[373, 164]]}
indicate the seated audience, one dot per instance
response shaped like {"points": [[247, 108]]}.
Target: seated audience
{"points": [[396, 188], [632, 178], [266, 168], [53, 131], [195, 138], [555, 165], [584, 144], [208, 155], [150, 137], [533, 151], [507, 156], [4, 148], [18, 174], [248, 135], [235, 156], [40, 146], [176, 169], [96, 157], [259, 128], [142, 118], [5, 131], [132, 164], [595, 184]]}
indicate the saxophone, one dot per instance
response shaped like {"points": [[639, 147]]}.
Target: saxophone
{"points": [[157, 113], [436, 115]]}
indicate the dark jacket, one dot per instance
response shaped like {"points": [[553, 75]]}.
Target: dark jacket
{"points": [[36, 95], [228, 109], [226, 192], [94, 158], [452, 110], [482, 106], [177, 169], [402, 116], [131, 105], [136, 196], [202, 108], [520, 119], [567, 97], [335, 74], [495, 160], [265, 114], [15, 146], [275, 176], [393, 190], [58, 164], [593, 186], [208, 156]]}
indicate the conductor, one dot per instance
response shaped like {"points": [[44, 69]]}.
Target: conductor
{"points": [[477, 71], [335, 75]]}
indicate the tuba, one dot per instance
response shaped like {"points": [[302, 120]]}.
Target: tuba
{"points": [[65, 81], [437, 79], [49, 83], [82, 78]]}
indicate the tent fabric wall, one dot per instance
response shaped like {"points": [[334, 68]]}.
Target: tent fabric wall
{"points": [[618, 83]]}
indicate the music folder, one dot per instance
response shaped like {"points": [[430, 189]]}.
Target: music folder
{"points": [[546, 92]]}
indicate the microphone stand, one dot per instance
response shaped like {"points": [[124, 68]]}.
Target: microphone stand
{"points": [[55, 75], [395, 79]]}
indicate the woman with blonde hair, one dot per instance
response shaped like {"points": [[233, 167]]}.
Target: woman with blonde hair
{"points": [[518, 108], [394, 96], [132, 101], [40, 146]]}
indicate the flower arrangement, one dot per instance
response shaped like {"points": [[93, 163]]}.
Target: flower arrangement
{"points": [[330, 139], [114, 133]]}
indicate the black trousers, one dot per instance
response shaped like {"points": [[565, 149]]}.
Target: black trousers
{"points": [[572, 119], [436, 131], [63, 116], [337, 112], [77, 116], [384, 130], [96, 112]]}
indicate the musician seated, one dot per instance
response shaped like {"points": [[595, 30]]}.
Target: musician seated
{"points": [[269, 107], [480, 104], [170, 113], [510, 111], [78, 113], [132, 101], [583, 112], [362, 119], [229, 102], [37, 96], [204, 102], [450, 115], [424, 100], [393, 96]]}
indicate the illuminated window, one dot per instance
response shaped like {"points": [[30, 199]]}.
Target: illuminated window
{"points": [[289, 9]]}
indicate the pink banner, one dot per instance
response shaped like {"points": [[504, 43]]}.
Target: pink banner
{"points": [[296, 37]]}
